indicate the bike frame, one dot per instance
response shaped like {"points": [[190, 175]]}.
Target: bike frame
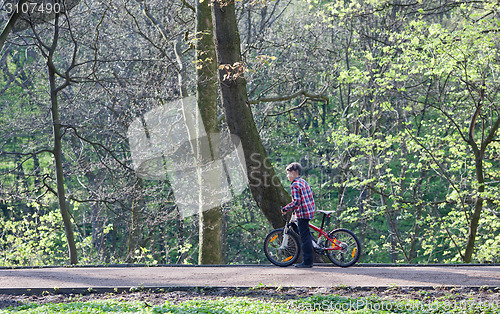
{"points": [[322, 233], [281, 254]]}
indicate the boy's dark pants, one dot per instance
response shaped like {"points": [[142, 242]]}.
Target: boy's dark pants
{"points": [[306, 238]]}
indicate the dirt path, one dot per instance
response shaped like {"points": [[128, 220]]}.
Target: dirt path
{"points": [[50, 279]]}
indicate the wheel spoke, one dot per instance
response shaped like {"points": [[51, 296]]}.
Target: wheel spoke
{"points": [[277, 253], [347, 248]]}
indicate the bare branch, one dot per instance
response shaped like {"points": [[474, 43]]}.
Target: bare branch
{"points": [[94, 144], [315, 97]]}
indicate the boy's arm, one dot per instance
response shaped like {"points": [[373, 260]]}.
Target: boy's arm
{"points": [[295, 200]]}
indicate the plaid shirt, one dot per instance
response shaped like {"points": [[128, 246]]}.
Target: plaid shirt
{"points": [[302, 199]]}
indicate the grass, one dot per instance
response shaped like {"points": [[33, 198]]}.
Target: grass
{"points": [[315, 304]]}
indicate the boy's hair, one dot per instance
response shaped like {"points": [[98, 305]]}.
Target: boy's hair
{"points": [[294, 166]]}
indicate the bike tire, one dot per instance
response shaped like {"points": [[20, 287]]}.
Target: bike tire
{"points": [[281, 256], [351, 248]]}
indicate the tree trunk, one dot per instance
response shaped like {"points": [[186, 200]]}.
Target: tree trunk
{"points": [[210, 220], [58, 159], [478, 207], [479, 152], [392, 232], [134, 233], [10, 25], [265, 186]]}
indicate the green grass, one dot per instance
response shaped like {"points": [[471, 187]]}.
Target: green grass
{"points": [[315, 304]]}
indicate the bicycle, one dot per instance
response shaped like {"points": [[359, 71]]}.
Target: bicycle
{"points": [[282, 246]]}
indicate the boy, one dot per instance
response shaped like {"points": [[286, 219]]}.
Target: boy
{"points": [[303, 206]]}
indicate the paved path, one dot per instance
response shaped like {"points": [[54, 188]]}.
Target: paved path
{"points": [[245, 276]]}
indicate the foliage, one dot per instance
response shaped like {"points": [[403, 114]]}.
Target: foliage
{"points": [[388, 105], [35, 240], [315, 304], [395, 131]]}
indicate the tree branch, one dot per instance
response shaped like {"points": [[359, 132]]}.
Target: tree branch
{"points": [[491, 134], [12, 20], [316, 97], [443, 171], [94, 144]]}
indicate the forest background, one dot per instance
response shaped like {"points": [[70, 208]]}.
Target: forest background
{"points": [[390, 106]]}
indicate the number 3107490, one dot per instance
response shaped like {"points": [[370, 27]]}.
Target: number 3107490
{"points": [[31, 8]]}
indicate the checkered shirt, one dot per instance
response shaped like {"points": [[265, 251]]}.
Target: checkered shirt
{"points": [[302, 199]]}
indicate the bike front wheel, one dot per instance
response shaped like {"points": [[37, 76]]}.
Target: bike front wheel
{"points": [[349, 248], [282, 249]]}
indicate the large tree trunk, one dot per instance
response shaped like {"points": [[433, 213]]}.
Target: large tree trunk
{"points": [[211, 219], [265, 186], [204, 147]]}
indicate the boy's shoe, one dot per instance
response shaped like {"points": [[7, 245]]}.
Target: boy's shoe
{"points": [[302, 265]]}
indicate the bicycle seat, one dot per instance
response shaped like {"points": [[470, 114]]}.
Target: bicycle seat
{"points": [[326, 212]]}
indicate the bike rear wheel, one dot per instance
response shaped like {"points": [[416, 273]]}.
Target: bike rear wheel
{"points": [[350, 248], [280, 253]]}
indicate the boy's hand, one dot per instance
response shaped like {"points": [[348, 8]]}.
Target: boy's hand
{"points": [[283, 211]]}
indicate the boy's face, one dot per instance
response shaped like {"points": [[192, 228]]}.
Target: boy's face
{"points": [[291, 175]]}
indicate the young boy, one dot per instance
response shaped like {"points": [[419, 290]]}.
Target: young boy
{"points": [[303, 206]]}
